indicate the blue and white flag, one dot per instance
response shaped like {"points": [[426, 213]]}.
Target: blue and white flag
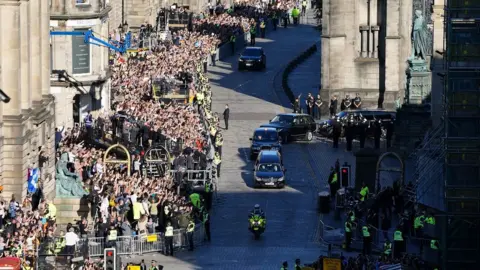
{"points": [[33, 175]]}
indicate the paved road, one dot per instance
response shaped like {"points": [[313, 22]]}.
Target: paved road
{"points": [[291, 213]]}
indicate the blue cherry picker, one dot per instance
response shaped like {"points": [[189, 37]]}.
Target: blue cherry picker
{"points": [[89, 38]]}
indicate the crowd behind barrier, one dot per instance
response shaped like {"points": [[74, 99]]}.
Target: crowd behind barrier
{"points": [[137, 207]]}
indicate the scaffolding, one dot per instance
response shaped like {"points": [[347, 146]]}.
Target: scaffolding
{"points": [[461, 233]]}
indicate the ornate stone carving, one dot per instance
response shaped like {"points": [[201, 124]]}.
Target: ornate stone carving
{"points": [[419, 37]]}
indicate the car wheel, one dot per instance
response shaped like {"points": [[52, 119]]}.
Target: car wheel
{"points": [[309, 136], [281, 186]]}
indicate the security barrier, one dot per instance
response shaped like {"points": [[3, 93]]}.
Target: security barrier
{"points": [[128, 245]]}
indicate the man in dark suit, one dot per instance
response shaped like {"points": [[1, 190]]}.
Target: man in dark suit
{"points": [[333, 106], [226, 115]]}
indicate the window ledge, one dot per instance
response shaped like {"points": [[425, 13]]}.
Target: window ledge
{"points": [[365, 60]]}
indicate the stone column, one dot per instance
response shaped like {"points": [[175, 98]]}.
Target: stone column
{"points": [[364, 40], [35, 51], [45, 42], [374, 51], [25, 57], [10, 61]]}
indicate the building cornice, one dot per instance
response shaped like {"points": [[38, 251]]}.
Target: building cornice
{"points": [[64, 17], [10, 3], [98, 81]]}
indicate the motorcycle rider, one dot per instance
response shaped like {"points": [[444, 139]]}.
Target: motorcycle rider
{"points": [[257, 211]]}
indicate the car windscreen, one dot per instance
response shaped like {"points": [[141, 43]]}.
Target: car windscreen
{"points": [[265, 136], [252, 52], [269, 168], [284, 119]]}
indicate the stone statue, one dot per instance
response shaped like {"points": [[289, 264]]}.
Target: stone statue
{"points": [[419, 37], [67, 184]]}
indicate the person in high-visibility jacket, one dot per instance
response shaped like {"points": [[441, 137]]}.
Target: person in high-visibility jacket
{"points": [[213, 132], [367, 241], [364, 192], [387, 248], [333, 182], [52, 211], [219, 143], [169, 240], [398, 243], [434, 244], [208, 194], [199, 97], [233, 42], [112, 236], [253, 34], [195, 200], [262, 29], [138, 210], [295, 15], [348, 234], [59, 243], [213, 55], [418, 224], [304, 7], [190, 230], [217, 161], [430, 220]]}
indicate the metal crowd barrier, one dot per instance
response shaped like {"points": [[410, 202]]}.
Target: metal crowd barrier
{"points": [[129, 245]]}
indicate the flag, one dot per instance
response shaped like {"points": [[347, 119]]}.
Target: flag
{"points": [[33, 175]]}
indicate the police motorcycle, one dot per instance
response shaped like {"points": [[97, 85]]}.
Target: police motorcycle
{"points": [[257, 222]]}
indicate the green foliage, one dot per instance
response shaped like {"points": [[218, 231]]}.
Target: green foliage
{"points": [[291, 67]]}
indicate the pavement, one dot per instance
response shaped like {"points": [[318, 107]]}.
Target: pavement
{"points": [[254, 97]]}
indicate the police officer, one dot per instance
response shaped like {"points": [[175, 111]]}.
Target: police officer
{"points": [[153, 266], [297, 265], [333, 182], [89, 126], [337, 131], [364, 192], [367, 241], [59, 243], [346, 103], [390, 127], [190, 230], [387, 249], [398, 243], [253, 33], [349, 133], [362, 130], [217, 161], [348, 234], [199, 98], [233, 40], [377, 133], [208, 194], [262, 28], [285, 19], [112, 236], [206, 223], [169, 239], [418, 224], [284, 266], [357, 102], [275, 20]]}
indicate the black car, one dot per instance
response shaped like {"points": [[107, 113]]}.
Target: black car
{"points": [[292, 126], [269, 170], [252, 58], [264, 139], [325, 127]]}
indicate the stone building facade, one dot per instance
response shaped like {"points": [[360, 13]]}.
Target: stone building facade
{"points": [[365, 46], [27, 121], [80, 80]]}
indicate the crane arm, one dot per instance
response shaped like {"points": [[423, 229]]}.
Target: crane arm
{"points": [[89, 38]]}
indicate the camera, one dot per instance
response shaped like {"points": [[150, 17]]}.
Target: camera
{"points": [[4, 97]]}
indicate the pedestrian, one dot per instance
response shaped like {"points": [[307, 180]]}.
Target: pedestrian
{"points": [[217, 161], [296, 105], [333, 106], [190, 232], [233, 40], [309, 102], [318, 104], [377, 133], [213, 55], [89, 126], [226, 116], [208, 194], [284, 266], [297, 264], [71, 240], [398, 243], [362, 131], [169, 239], [219, 143], [262, 28], [349, 135], [206, 224], [348, 234]]}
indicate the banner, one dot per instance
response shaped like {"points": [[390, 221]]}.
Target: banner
{"points": [[33, 176], [332, 264]]}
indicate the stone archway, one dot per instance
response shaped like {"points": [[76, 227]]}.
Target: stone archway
{"points": [[157, 159], [381, 169], [128, 161]]}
